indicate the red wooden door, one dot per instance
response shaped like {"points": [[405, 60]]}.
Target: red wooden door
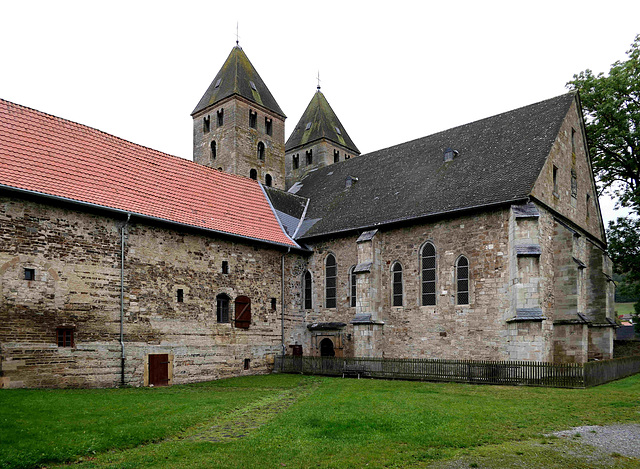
{"points": [[159, 369], [243, 312]]}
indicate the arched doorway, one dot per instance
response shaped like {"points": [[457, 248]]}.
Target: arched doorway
{"points": [[326, 348]]}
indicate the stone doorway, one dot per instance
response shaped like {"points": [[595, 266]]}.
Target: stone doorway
{"points": [[326, 348]]}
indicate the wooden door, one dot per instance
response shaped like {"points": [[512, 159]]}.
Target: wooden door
{"points": [[243, 312], [159, 369]]}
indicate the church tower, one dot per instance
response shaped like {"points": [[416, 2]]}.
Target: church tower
{"points": [[238, 126], [318, 140]]}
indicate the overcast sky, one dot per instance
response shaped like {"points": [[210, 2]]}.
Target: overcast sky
{"points": [[392, 71]]}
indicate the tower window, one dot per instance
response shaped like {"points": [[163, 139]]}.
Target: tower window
{"points": [[336, 156], [180, 295], [309, 155], [253, 119], [253, 174], [296, 161], [206, 124], [220, 115], [261, 151], [64, 336], [555, 180], [268, 180], [29, 274], [214, 150], [268, 126], [225, 267]]}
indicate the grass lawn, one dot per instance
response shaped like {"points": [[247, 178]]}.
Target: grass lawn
{"points": [[301, 421], [624, 308]]}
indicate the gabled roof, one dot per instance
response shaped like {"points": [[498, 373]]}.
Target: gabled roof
{"points": [[319, 121], [498, 161], [238, 77], [49, 156]]}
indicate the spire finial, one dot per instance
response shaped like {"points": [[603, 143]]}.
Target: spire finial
{"points": [[237, 35], [318, 80]]}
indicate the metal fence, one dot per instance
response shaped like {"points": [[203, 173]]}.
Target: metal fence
{"points": [[570, 375]]}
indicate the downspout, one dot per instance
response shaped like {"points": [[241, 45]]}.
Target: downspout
{"points": [[123, 231], [282, 305]]}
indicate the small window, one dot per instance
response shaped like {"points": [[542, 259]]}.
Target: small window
{"points": [[396, 282], [273, 303], [573, 141], [253, 86], [220, 114], [308, 126], [29, 274], [206, 124], [296, 161], [268, 126], [268, 180], [428, 267], [225, 267], [588, 205], [307, 290], [218, 81], [352, 287], [253, 119], [309, 155], [247, 363], [462, 281], [214, 150], [555, 180], [180, 295], [64, 336], [243, 312], [261, 151], [331, 274], [338, 131], [336, 156], [574, 184], [253, 174], [222, 308]]}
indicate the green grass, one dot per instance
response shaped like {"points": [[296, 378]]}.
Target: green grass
{"points": [[624, 308], [301, 421]]}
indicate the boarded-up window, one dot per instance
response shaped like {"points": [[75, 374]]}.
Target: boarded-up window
{"points": [[222, 308], [462, 280], [428, 259], [307, 290], [243, 312], [396, 281], [331, 270], [352, 287]]}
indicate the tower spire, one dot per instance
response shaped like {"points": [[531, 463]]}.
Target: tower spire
{"points": [[237, 35], [318, 80]]}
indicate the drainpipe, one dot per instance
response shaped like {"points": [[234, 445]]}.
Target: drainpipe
{"points": [[123, 231], [282, 304]]}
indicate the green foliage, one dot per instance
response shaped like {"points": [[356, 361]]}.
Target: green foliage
{"points": [[624, 249], [612, 106]]}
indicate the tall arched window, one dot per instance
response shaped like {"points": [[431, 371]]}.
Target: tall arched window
{"points": [[428, 267], [331, 273], [214, 150], [396, 284], [222, 308], [253, 174], [307, 290], [268, 180], [352, 286], [261, 151], [462, 281]]}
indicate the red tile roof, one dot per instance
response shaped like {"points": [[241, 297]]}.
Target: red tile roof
{"points": [[57, 157]]}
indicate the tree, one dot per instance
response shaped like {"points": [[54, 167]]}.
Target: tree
{"points": [[612, 110], [624, 249]]}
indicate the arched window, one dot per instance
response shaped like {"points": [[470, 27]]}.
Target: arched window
{"points": [[243, 312], [261, 151], [306, 280], [253, 174], [268, 180], [428, 268], [396, 284], [214, 151], [331, 273], [462, 281], [352, 286], [222, 308]]}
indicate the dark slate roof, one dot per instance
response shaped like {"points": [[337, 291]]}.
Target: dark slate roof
{"points": [[499, 160], [528, 314], [288, 207], [324, 124], [236, 76]]}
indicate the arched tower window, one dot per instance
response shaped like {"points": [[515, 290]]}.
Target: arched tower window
{"points": [[396, 284], [261, 151], [428, 269], [352, 286], [222, 308], [462, 281], [214, 149], [331, 274], [253, 174], [268, 180], [307, 291]]}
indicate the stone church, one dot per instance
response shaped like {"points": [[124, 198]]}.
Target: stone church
{"points": [[122, 265]]}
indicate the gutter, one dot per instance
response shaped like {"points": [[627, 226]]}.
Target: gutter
{"points": [[123, 231]]}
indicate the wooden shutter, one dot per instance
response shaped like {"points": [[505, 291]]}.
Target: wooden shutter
{"points": [[243, 312]]}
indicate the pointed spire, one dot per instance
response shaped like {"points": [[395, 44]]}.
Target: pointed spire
{"points": [[318, 80]]}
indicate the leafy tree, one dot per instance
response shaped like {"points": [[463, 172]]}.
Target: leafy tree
{"points": [[612, 109], [624, 249]]}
